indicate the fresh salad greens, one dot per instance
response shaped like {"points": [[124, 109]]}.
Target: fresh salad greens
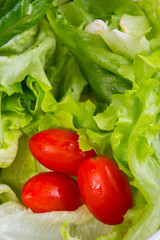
{"points": [[92, 67], [17, 16]]}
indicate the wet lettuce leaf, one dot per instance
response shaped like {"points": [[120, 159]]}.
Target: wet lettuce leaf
{"points": [[65, 75], [24, 85], [136, 129], [17, 16], [96, 60], [105, 9]]}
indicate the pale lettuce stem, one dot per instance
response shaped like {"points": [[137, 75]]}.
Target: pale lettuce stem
{"points": [[146, 225]]}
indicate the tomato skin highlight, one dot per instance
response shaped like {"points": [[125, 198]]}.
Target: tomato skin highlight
{"points": [[105, 189], [51, 191], [58, 150]]}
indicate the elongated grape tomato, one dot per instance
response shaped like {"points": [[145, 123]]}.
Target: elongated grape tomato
{"points": [[51, 191], [105, 189], [58, 150]]}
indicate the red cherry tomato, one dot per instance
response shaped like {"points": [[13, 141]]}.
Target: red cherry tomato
{"points": [[58, 150], [105, 189], [51, 191]]}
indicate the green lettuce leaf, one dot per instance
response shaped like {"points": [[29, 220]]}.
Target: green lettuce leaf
{"points": [[65, 233], [106, 8], [135, 25], [17, 16], [143, 68], [152, 11], [136, 129], [15, 68], [96, 60], [129, 32], [6, 194], [20, 42], [82, 112], [79, 16], [40, 100], [8, 153], [100, 141], [24, 85], [65, 75]]}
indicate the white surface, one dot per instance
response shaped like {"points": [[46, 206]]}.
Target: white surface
{"points": [[155, 236]]}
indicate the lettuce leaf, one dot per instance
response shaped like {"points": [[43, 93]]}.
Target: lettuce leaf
{"points": [[17, 16], [6, 194], [65, 75], [21, 223], [136, 129], [96, 60], [8, 154], [20, 42], [135, 25], [23, 96], [65, 233], [152, 11], [128, 46], [129, 32], [143, 68], [106, 8], [15, 68]]}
